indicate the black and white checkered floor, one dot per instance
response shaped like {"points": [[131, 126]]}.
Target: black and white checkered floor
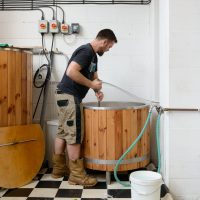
{"points": [[44, 187]]}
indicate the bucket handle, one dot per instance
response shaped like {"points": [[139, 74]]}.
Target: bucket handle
{"points": [[143, 193]]}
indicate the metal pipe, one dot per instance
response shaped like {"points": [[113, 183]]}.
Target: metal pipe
{"points": [[58, 2], [182, 109], [25, 9], [35, 4], [63, 12]]}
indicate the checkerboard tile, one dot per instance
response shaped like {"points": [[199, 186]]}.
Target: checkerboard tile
{"points": [[44, 187]]}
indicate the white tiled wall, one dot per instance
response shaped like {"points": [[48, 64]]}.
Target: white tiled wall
{"points": [[184, 69], [129, 64]]}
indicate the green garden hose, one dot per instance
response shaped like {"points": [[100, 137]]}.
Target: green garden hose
{"points": [[129, 149], [136, 141], [158, 140]]}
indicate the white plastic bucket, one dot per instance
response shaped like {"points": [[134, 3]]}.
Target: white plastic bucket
{"points": [[51, 130], [145, 185]]}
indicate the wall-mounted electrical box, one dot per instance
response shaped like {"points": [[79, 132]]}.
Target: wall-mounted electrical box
{"points": [[75, 28], [64, 28], [43, 26], [54, 26]]}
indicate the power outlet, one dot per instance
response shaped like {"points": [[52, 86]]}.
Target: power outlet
{"points": [[43, 26], [64, 28], [54, 26], [75, 28]]}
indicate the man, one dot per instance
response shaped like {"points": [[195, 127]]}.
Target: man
{"points": [[80, 76]]}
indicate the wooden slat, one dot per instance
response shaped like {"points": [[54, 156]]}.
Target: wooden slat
{"points": [[29, 88], [110, 150], [143, 151], [147, 139], [18, 86], [24, 88], [118, 137], [143, 119], [3, 88], [95, 142], [126, 131], [139, 128], [134, 135], [11, 88], [87, 135], [102, 138]]}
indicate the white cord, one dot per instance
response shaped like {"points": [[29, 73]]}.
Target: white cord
{"points": [[108, 196], [40, 58], [45, 49], [69, 41], [66, 57], [2, 191], [130, 94]]}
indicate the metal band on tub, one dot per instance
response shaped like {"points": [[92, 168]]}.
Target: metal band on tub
{"points": [[113, 162]]}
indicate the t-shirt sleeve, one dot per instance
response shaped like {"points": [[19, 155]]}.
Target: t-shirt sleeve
{"points": [[96, 61], [83, 58]]}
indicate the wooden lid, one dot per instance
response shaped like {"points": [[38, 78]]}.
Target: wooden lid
{"points": [[21, 154]]}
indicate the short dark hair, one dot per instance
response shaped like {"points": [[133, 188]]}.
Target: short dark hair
{"points": [[107, 34]]}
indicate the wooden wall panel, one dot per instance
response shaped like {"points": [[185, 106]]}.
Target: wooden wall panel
{"points": [[29, 88], [24, 111], [18, 85], [3, 88], [15, 87], [11, 87]]}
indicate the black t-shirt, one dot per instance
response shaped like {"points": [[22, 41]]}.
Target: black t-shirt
{"points": [[87, 59]]}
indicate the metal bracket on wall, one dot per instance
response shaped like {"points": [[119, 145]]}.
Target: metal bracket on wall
{"points": [[35, 4]]}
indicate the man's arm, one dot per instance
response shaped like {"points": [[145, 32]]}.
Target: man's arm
{"points": [[98, 93], [73, 71], [95, 76]]}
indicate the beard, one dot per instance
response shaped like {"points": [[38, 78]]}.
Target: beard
{"points": [[100, 53]]}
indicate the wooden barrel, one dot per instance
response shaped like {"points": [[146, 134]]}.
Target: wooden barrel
{"points": [[109, 131]]}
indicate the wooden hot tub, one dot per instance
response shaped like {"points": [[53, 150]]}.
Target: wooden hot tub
{"points": [[109, 130]]}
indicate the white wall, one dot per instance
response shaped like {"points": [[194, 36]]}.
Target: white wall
{"points": [[129, 64], [163, 60], [183, 78]]}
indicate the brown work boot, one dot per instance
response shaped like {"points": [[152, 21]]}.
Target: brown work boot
{"points": [[78, 175], [60, 168]]}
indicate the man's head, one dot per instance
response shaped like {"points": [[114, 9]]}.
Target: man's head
{"points": [[106, 39]]}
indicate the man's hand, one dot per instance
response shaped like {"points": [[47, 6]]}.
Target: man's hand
{"points": [[96, 84], [99, 95]]}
